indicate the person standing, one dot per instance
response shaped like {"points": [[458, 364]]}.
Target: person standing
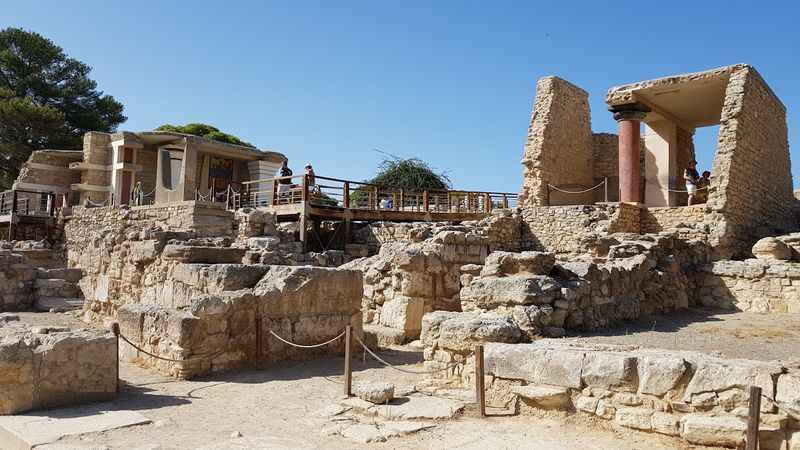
{"points": [[691, 177], [285, 182], [702, 187]]}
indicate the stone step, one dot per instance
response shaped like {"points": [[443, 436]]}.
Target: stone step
{"points": [[58, 303], [71, 275]]}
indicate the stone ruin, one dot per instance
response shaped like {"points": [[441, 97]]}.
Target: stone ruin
{"points": [[201, 289]]}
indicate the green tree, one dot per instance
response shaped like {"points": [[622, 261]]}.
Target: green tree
{"points": [[206, 131], [411, 174], [47, 100]]}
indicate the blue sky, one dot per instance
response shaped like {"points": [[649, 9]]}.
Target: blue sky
{"points": [[450, 82]]}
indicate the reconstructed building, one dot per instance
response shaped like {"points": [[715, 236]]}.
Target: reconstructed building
{"points": [[750, 195]]}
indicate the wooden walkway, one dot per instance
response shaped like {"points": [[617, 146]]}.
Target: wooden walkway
{"points": [[326, 198], [25, 209]]}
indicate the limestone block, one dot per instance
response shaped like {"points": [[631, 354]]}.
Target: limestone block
{"points": [[491, 292], [374, 392], [508, 263], [788, 390], [665, 423], [771, 248], [636, 418], [463, 330], [203, 254], [535, 364], [545, 397], [659, 374], [404, 313], [612, 371], [725, 431], [268, 243], [299, 290], [717, 375]]}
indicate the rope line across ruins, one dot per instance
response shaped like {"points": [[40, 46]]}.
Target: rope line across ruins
{"points": [[576, 192], [307, 346], [391, 366]]}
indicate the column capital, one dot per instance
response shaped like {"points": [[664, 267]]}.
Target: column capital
{"points": [[631, 111]]}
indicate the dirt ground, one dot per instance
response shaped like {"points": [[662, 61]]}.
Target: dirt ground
{"points": [[772, 336], [282, 407]]}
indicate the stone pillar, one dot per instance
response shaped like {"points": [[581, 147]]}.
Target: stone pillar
{"points": [[629, 118]]}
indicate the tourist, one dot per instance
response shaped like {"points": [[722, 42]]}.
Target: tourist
{"points": [[691, 177], [284, 183], [702, 187], [311, 178]]}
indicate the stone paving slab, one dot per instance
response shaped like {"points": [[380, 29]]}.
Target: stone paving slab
{"points": [[26, 431]]}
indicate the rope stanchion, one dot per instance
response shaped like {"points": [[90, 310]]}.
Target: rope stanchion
{"points": [[555, 188], [391, 366], [306, 346]]}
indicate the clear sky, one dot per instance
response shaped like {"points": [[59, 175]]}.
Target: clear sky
{"points": [[449, 82]]}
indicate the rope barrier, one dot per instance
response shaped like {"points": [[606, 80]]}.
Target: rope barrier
{"points": [[576, 192], [788, 410], [413, 372], [306, 346], [122, 336], [685, 191]]}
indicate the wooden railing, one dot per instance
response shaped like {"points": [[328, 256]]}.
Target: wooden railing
{"points": [[338, 193], [28, 203]]}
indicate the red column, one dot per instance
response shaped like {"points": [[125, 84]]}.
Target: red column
{"points": [[629, 154]]}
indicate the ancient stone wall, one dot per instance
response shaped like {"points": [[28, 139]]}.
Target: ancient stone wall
{"points": [[232, 329], [605, 165], [692, 222], [698, 398], [559, 147], [752, 182], [560, 229], [16, 282], [406, 280], [750, 285], [48, 171], [98, 153], [41, 371]]}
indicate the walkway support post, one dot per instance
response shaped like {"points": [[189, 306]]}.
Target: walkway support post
{"points": [[346, 194], [348, 370], [115, 331], [480, 392], [753, 417]]}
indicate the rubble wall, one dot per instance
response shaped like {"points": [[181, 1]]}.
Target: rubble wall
{"points": [[605, 165], [559, 147], [17, 279], [750, 285], [559, 229], [41, 371], [699, 398], [231, 329]]}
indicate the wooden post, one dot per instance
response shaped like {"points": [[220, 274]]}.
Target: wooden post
{"points": [[303, 232], [14, 202], [305, 188], [402, 199], [548, 194], [375, 202], [753, 418], [115, 331], [605, 189], [505, 201], [348, 370], [346, 194], [480, 393], [487, 203], [425, 201]]}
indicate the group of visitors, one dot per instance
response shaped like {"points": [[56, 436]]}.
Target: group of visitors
{"points": [[285, 182], [696, 184]]}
